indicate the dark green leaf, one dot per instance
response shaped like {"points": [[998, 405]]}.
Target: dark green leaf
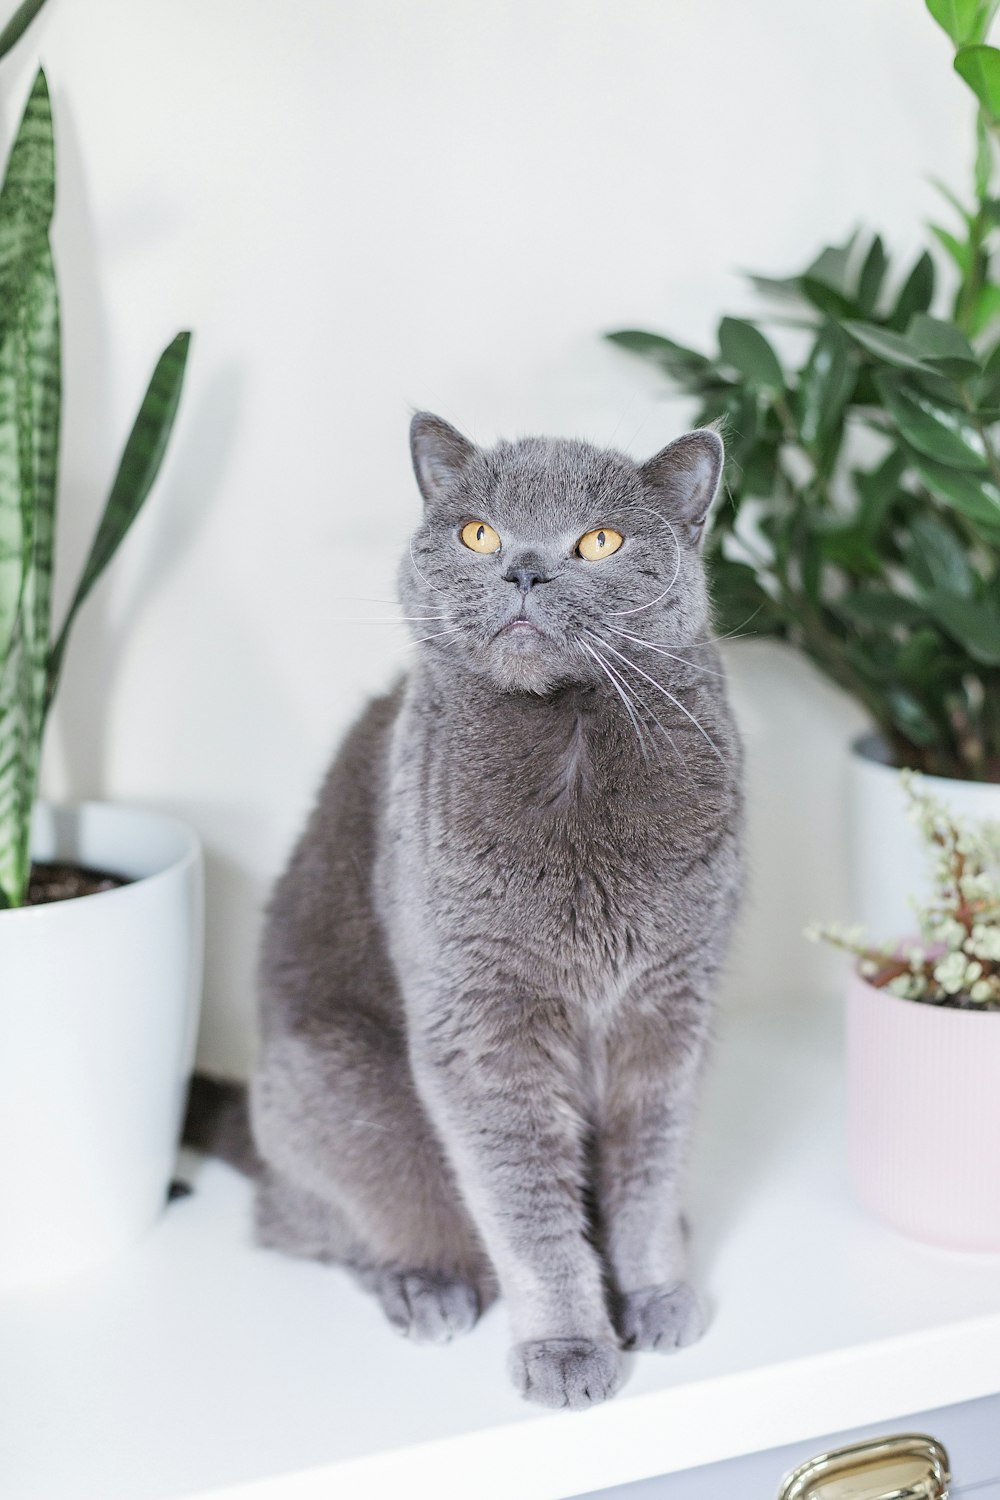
{"points": [[923, 657], [973, 623], [911, 717], [944, 557], [760, 468], [973, 495], [872, 275], [916, 294], [980, 67], [891, 348], [832, 268], [943, 345], [877, 607], [744, 348], [831, 303], [738, 598], [783, 287], [18, 24], [877, 491], [825, 385], [140, 463], [941, 432], [686, 366]]}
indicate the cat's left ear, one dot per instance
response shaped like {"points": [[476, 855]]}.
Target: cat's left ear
{"points": [[440, 453], [684, 478]]}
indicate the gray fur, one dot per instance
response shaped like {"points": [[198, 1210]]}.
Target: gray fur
{"points": [[488, 970]]}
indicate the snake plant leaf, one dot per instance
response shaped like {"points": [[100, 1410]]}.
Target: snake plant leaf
{"points": [[27, 197], [979, 65], [942, 432], [18, 24], [892, 348], [35, 338], [140, 463], [16, 513], [959, 18], [745, 349]]}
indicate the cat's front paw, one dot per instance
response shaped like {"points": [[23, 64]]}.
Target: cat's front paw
{"points": [[661, 1317], [566, 1372], [428, 1306]]}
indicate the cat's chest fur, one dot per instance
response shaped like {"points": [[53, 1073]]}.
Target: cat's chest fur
{"points": [[541, 825]]}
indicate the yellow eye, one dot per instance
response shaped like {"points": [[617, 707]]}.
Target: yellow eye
{"points": [[479, 536], [598, 544]]}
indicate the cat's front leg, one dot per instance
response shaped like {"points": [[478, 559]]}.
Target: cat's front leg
{"points": [[653, 1071], [501, 1081]]}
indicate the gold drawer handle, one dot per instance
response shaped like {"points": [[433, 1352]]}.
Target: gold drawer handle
{"points": [[909, 1467]]}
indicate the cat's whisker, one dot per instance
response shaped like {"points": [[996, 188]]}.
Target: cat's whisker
{"points": [[642, 703], [387, 619], [623, 695], [662, 651], [661, 689], [436, 636], [677, 569], [421, 575]]}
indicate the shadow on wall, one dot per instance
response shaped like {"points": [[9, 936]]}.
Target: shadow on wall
{"points": [[796, 729]]}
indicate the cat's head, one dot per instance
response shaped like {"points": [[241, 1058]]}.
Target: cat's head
{"points": [[532, 556]]}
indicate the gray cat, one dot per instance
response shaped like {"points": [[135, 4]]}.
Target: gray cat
{"points": [[488, 969]]}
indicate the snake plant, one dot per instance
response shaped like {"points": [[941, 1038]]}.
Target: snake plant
{"points": [[31, 652]]}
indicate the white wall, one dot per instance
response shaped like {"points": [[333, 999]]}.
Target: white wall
{"points": [[361, 205]]}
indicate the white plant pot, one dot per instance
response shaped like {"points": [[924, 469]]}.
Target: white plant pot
{"points": [[923, 1109], [888, 862], [99, 1000]]}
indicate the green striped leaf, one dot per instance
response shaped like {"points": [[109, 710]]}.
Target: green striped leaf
{"points": [[27, 198], [34, 338], [140, 463], [18, 24]]}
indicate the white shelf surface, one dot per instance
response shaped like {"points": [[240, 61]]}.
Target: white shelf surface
{"points": [[201, 1366]]}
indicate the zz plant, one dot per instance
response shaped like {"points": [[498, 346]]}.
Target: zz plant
{"points": [[31, 654], [864, 475]]}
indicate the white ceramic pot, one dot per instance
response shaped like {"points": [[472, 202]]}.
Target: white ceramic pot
{"points": [[888, 863], [924, 1116], [99, 1000]]}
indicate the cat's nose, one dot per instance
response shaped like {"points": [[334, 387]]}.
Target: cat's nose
{"points": [[526, 576]]}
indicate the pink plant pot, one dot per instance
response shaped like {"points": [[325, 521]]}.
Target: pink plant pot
{"points": [[923, 1085]]}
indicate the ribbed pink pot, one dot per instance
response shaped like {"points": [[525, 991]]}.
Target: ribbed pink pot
{"points": [[924, 1116]]}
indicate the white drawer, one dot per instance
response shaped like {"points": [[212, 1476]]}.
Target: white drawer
{"points": [[970, 1432]]}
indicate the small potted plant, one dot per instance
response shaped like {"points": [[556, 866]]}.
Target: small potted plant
{"points": [[923, 1044], [863, 475], [100, 906]]}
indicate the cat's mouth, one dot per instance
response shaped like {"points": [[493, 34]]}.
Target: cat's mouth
{"points": [[518, 626]]}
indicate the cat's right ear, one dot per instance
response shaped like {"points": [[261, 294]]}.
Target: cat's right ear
{"points": [[440, 454]]}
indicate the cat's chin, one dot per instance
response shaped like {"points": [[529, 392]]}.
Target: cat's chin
{"points": [[521, 661]]}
